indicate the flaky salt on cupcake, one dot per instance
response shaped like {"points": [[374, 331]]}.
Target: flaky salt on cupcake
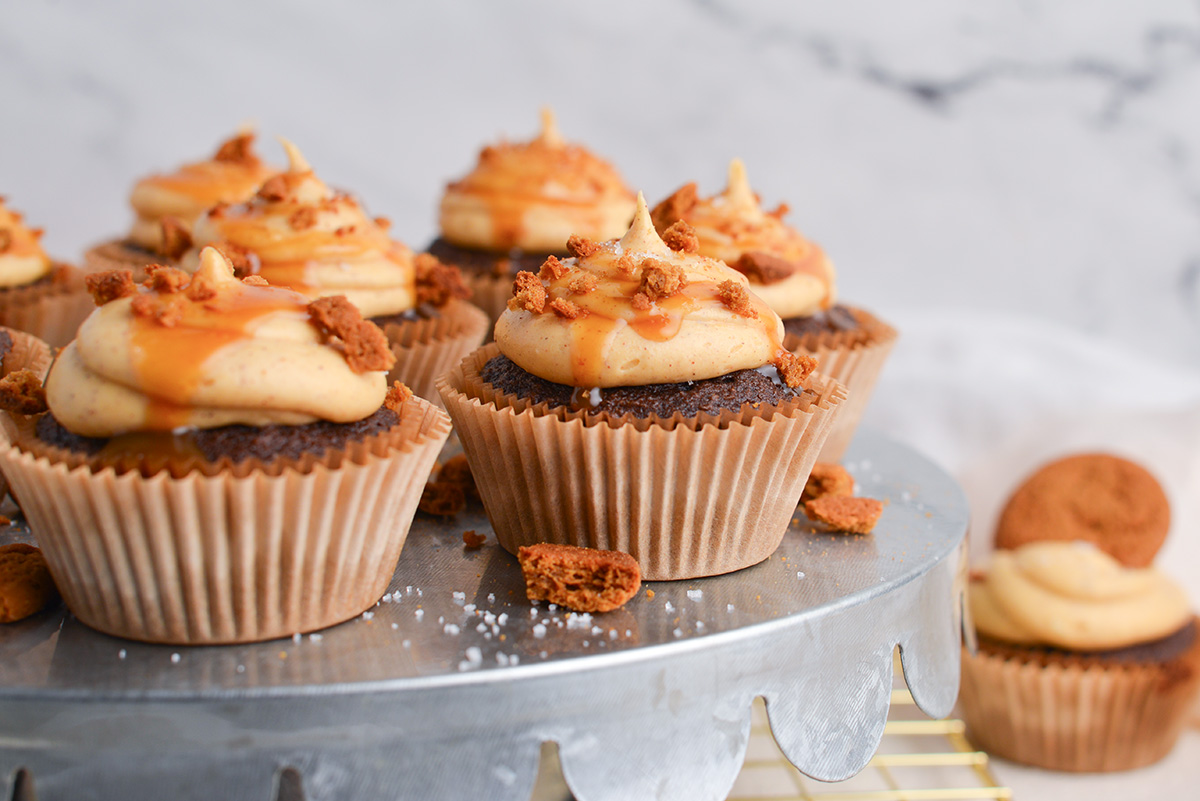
{"points": [[638, 399], [221, 460], [797, 280], [38, 295], [166, 204], [297, 232], [1088, 657], [520, 204]]}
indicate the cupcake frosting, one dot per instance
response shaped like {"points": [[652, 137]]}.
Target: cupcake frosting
{"points": [[636, 311], [211, 350], [532, 196], [22, 260], [232, 175], [1072, 595], [789, 272], [297, 232]]}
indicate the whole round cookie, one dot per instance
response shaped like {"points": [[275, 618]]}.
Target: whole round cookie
{"points": [[1103, 499]]}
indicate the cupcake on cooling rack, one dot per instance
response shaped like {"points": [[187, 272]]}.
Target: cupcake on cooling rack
{"points": [[37, 295], [221, 460], [638, 399], [1088, 657], [797, 280], [520, 204], [298, 233], [165, 205]]}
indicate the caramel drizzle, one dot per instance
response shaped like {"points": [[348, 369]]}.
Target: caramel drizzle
{"points": [[210, 183]]}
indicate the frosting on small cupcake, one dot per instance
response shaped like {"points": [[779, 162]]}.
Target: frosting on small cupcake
{"points": [[532, 196], [232, 175], [637, 311], [22, 260], [297, 232], [210, 350], [789, 272], [1072, 595]]}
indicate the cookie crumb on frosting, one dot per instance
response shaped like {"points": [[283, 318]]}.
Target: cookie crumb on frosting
{"points": [[565, 309], [365, 345], [166, 310], [528, 293], [581, 248], [763, 268], [438, 283], [237, 150], [842, 513], [552, 269], [681, 237], [176, 239], [735, 296], [582, 579], [303, 218], [794, 368], [108, 286], [661, 279], [21, 392], [237, 256], [581, 283], [827, 478], [397, 395], [274, 189], [167, 280], [675, 207]]}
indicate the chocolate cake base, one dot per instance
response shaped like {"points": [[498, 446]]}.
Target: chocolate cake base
{"points": [[710, 396], [483, 262], [1157, 651], [235, 443], [834, 320]]}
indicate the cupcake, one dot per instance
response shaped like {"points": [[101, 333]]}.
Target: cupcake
{"points": [[296, 232], [221, 460], [166, 205], [638, 399], [1084, 662], [37, 295], [520, 204], [797, 280]]}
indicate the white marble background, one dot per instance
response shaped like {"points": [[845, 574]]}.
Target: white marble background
{"points": [[1016, 183]]}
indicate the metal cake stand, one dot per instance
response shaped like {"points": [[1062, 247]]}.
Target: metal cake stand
{"points": [[448, 687]]}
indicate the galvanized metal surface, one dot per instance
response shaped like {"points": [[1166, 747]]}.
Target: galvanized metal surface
{"points": [[447, 689]]}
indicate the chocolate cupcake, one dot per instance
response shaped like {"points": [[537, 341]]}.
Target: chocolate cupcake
{"points": [[165, 206], [638, 398], [37, 295], [296, 232], [796, 279], [221, 460], [520, 204]]}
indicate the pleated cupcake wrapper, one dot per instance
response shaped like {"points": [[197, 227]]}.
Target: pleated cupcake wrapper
{"points": [[855, 359], [687, 497], [426, 349], [116, 254], [1074, 718], [27, 353], [208, 559], [50, 310], [490, 293]]}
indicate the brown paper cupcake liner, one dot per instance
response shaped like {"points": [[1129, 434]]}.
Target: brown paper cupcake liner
{"points": [[27, 353], [229, 558], [118, 254], [1078, 718], [855, 359], [426, 349], [490, 293], [687, 497], [51, 309]]}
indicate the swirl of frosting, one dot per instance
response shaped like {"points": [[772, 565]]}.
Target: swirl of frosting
{"points": [[792, 274], [1072, 595], [532, 196], [231, 176], [298, 233], [634, 311], [22, 260], [211, 352]]}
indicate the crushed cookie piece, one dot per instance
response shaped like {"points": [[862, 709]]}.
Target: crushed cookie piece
{"points": [[217, 211], [274, 189], [6, 239], [779, 211], [26, 586], [21, 392], [793, 368], [364, 345], [237, 149], [528, 293], [303, 218], [176, 239], [383, 222], [397, 395], [552, 269], [438, 283], [675, 207], [457, 470], [763, 268], [580, 247], [255, 280], [442, 499], [581, 283], [843, 513], [641, 302], [108, 286], [827, 478], [168, 280], [682, 237], [166, 310], [472, 540], [582, 579], [238, 257], [345, 230], [735, 296], [200, 288], [626, 265], [565, 309], [661, 279]]}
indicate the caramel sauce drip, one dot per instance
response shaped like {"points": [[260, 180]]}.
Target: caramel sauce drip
{"points": [[213, 183]]}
